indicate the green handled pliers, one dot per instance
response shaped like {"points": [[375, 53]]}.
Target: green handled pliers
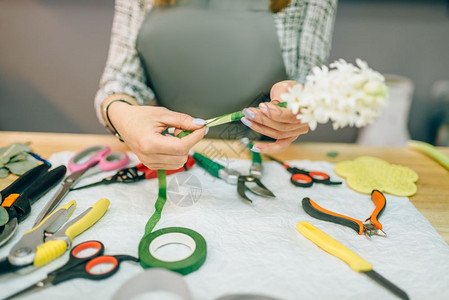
{"points": [[256, 168], [243, 182]]}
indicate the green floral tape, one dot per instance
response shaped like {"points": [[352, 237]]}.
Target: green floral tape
{"points": [[179, 235], [224, 119], [151, 241]]}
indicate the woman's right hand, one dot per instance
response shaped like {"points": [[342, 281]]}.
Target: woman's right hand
{"points": [[141, 128]]}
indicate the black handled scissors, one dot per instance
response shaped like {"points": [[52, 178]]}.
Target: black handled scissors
{"points": [[303, 178], [86, 261]]}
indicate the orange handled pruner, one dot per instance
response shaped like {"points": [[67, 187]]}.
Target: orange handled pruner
{"points": [[373, 227]]}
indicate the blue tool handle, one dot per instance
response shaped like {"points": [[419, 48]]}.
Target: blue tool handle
{"points": [[45, 183], [23, 182], [208, 164]]}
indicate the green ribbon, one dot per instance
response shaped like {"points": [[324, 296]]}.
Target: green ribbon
{"points": [[224, 119], [148, 260], [160, 202]]}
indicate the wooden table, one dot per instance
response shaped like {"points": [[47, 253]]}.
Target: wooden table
{"points": [[432, 198]]}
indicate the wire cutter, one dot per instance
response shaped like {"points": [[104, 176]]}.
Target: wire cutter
{"points": [[17, 198], [50, 239], [243, 182], [136, 173], [373, 227], [303, 178]]}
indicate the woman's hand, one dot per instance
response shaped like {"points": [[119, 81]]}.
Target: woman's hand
{"points": [[141, 128], [274, 121]]}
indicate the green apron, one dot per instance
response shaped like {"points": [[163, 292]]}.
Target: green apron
{"points": [[206, 58]]}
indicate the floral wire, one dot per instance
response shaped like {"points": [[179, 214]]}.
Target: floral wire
{"points": [[38, 157]]}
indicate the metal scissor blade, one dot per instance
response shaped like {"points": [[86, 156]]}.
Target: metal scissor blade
{"points": [[241, 188], [68, 182], [38, 286], [387, 284], [259, 189], [87, 186], [8, 231]]}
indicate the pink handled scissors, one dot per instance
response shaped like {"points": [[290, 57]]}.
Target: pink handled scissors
{"points": [[97, 159], [87, 162]]}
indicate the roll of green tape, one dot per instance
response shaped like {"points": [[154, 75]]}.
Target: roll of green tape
{"points": [[151, 241], [179, 235]]}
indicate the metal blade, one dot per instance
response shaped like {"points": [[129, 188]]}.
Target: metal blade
{"points": [[241, 188], [260, 189], [387, 284], [87, 186], [68, 182], [38, 286], [8, 231]]}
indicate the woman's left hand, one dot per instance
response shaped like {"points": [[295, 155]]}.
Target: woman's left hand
{"points": [[274, 121]]}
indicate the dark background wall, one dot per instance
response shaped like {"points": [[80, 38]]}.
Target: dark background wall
{"points": [[52, 54]]}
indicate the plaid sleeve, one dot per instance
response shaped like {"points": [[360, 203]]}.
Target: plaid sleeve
{"points": [[305, 30], [123, 72]]}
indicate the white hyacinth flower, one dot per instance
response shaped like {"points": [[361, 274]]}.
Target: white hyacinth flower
{"points": [[345, 94]]}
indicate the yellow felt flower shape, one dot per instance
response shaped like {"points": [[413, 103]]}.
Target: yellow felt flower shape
{"points": [[367, 173]]}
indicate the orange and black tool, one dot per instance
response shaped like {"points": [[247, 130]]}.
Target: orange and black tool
{"points": [[373, 227], [304, 178]]}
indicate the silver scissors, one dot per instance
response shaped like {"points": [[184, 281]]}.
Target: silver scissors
{"points": [[87, 162]]}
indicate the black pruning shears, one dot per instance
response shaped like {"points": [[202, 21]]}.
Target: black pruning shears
{"points": [[243, 182], [303, 178], [17, 198]]}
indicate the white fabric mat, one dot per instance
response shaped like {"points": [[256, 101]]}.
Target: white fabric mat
{"points": [[256, 248]]}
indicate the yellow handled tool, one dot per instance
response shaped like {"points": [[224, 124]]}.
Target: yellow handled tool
{"points": [[31, 251], [57, 244], [357, 263]]}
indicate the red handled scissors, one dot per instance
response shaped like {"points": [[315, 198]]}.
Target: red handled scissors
{"points": [[136, 173], [303, 178], [87, 162], [87, 260]]}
